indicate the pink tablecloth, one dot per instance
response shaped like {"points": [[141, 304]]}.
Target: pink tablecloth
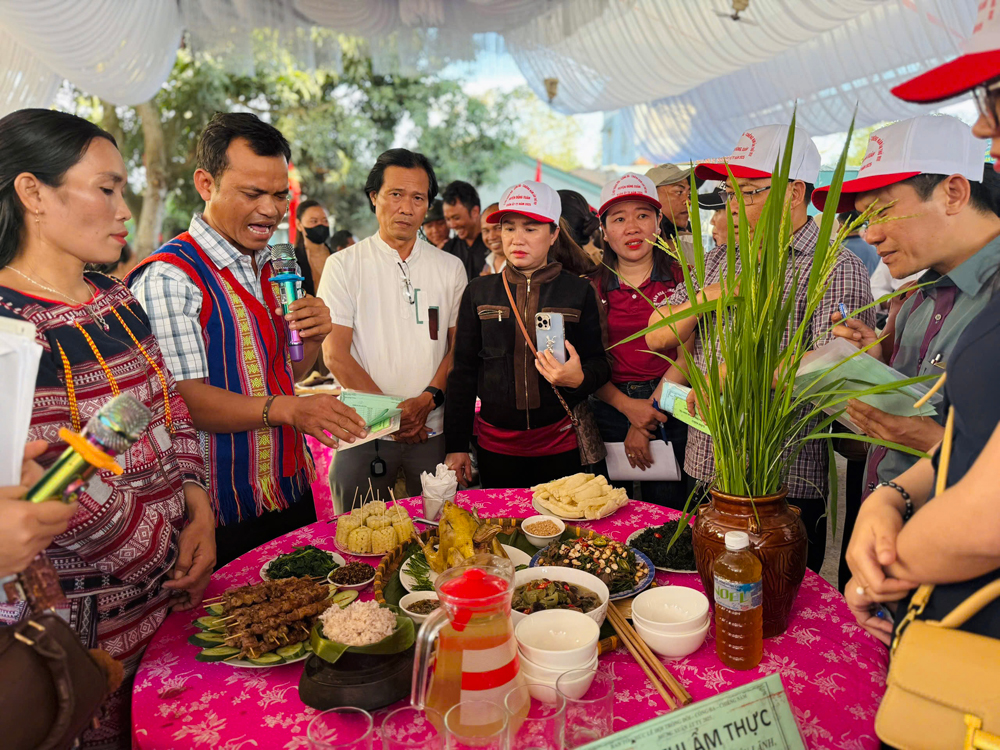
{"points": [[833, 671]]}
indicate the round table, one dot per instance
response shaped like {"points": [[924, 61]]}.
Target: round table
{"points": [[833, 671]]}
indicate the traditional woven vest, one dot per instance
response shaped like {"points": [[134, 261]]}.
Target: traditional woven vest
{"points": [[260, 470]]}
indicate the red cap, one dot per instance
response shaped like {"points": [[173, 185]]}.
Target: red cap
{"points": [[980, 62]]}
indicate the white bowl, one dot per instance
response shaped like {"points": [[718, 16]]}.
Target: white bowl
{"points": [[542, 541], [669, 629], [353, 586], [673, 645], [569, 575], [671, 609], [557, 638], [416, 596], [573, 690], [534, 672]]}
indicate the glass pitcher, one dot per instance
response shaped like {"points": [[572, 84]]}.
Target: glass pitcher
{"points": [[477, 655]]}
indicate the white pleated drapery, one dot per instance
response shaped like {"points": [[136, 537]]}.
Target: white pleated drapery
{"points": [[686, 77], [119, 50]]}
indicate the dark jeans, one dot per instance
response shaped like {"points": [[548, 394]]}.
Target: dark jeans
{"points": [[239, 538], [853, 491], [614, 428], [499, 472]]}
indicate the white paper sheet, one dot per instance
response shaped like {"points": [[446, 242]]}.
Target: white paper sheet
{"points": [[19, 356], [664, 468]]}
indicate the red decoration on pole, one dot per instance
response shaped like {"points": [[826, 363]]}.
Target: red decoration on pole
{"points": [[294, 194], [538, 170]]}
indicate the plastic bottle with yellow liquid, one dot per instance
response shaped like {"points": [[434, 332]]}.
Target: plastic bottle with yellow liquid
{"points": [[739, 611]]}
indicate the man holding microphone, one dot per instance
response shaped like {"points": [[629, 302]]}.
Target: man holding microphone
{"points": [[219, 323]]}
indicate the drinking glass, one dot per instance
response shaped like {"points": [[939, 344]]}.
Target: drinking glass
{"points": [[341, 729], [410, 728], [476, 725], [537, 718], [589, 716]]}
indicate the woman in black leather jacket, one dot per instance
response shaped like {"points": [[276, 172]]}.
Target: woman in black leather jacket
{"points": [[524, 434]]}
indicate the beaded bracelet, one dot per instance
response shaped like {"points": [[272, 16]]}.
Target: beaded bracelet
{"points": [[267, 408], [906, 498]]}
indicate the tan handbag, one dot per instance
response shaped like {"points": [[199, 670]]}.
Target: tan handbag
{"points": [[588, 436], [943, 688], [944, 683]]}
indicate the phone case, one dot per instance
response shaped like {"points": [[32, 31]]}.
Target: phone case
{"points": [[550, 334]]}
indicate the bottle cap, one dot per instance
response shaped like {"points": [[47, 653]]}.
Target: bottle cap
{"points": [[737, 540]]}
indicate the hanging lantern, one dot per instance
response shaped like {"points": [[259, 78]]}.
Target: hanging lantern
{"points": [[551, 88]]}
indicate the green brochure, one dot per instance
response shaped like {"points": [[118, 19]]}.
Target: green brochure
{"points": [[751, 717], [375, 408], [673, 398]]}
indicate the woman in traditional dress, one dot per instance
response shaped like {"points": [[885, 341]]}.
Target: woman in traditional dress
{"points": [[144, 540]]}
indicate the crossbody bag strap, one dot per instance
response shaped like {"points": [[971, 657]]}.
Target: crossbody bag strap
{"points": [[531, 345]]}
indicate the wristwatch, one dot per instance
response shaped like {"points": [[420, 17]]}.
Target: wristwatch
{"points": [[437, 394]]}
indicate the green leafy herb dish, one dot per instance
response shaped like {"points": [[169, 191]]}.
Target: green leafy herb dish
{"points": [[307, 561], [658, 544], [358, 624]]}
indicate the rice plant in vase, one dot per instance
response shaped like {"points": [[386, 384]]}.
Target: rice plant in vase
{"points": [[755, 331]]}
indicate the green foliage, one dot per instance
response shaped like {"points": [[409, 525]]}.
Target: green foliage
{"points": [[336, 121], [545, 133]]}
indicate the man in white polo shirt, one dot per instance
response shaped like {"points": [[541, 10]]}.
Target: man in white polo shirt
{"points": [[393, 301]]}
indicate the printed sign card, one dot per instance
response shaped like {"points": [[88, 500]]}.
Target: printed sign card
{"points": [[753, 717]]}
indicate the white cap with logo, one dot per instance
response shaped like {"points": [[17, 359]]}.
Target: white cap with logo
{"points": [[629, 187], [978, 63], [757, 152], [536, 200], [927, 144]]}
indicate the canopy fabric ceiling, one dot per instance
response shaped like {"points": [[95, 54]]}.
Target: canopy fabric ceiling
{"points": [[687, 78]]}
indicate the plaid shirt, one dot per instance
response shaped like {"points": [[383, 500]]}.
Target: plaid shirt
{"points": [[807, 475], [173, 302]]}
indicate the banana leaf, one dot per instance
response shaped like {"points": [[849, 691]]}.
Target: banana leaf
{"points": [[400, 640]]}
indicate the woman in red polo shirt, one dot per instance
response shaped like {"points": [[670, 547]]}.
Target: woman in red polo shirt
{"points": [[630, 219]]}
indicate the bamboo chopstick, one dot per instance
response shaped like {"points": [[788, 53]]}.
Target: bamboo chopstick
{"points": [[660, 688], [627, 632]]}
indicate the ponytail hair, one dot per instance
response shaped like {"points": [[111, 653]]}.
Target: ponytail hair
{"points": [[565, 250], [46, 144]]}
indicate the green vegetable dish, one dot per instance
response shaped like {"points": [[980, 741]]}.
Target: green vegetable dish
{"points": [[303, 561], [614, 563], [534, 596], [653, 543]]}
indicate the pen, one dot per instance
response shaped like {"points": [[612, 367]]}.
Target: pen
{"points": [[661, 430], [843, 311]]}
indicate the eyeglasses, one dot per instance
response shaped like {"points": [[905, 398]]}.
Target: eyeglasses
{"points": [[728, 195], [407, 284], [987, 98]]}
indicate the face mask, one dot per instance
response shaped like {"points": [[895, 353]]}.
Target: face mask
{"points": [[317, 234]]}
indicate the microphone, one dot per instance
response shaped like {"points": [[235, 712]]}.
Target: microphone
{"points": [[283, 258], [111, 431]]}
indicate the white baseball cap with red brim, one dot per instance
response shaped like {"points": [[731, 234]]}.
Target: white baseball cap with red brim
{"points": [[536, 200], [978, 63], [629, 187], [928, 144], [759, 149]]}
